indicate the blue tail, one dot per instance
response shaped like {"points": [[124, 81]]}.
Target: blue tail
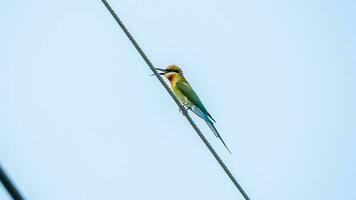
{"points": [[208, 121]]}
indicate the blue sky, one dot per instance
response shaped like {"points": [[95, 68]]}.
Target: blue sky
{"points": [[80, 117]]}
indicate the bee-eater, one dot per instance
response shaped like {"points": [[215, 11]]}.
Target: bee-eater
{"points": [[186, 95]]}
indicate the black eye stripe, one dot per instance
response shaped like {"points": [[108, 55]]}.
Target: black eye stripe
{"points": [[175, 71]]}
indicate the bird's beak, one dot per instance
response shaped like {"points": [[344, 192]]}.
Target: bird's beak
{"points": [[163, 72]]}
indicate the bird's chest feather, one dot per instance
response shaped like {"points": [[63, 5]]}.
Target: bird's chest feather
{"points": [[173, 79]]}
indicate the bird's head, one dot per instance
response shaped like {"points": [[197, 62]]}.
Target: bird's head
{"points": [[170, 72]]}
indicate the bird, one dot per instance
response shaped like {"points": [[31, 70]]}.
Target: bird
{"points": [[187, 96]]}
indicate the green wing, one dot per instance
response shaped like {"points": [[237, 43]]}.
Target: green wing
{"points": [[188, 91]]}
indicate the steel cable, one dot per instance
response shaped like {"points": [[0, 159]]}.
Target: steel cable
{"points": [[181, 107], [9, 186]]}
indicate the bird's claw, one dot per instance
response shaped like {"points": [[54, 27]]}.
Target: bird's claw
{"points": [[185, 111], [180, 110]]}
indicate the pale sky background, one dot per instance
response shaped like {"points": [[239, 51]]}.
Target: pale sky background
{"points": [[80, 117]]}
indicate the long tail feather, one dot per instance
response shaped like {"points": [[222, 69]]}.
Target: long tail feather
{"points": [[212, 127], [198, 112]]}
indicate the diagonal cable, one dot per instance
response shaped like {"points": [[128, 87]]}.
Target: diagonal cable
{"points": [[185, 113], [9, 186]]}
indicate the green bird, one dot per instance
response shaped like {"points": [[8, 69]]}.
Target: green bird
{"points": [[186, 95]]}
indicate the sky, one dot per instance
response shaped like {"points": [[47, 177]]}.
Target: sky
{"points": [[80, 117]]}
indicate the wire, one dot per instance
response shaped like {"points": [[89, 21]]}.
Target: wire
{"points": [[9, 186], [185, 113]]}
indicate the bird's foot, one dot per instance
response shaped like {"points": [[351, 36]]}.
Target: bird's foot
{"points": [[180, 110], [185, 110]]}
